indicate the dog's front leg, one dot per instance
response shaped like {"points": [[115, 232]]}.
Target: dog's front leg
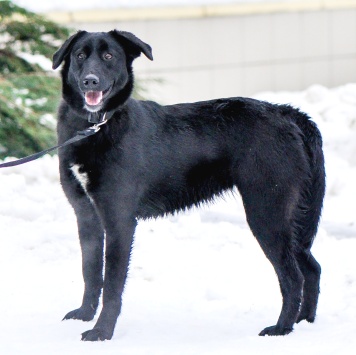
{"points": [[119, 237], [91, 236]]}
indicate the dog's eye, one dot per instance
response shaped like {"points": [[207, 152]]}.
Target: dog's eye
{"points": [[81, 56], [108, 56]]}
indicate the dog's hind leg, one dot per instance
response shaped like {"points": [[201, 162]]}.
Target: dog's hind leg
{"points": [[290, 278], [307, 229], [268, 214], [311, 271], [307, 226], [309, 215]]}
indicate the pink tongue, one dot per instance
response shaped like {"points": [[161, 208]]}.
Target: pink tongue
{"points": [[93, 97]]}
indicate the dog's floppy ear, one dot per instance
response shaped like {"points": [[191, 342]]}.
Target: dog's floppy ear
{"points": [[133, 45], [62, 52]]}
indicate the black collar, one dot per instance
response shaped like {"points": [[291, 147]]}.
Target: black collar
{"points": [[98, 117]]}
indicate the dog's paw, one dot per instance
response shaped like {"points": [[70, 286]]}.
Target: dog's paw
{"points": [[96, 334], [85, 315], [306, 316], [275, 330]]}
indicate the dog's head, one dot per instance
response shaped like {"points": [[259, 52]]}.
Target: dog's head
{"points": [[97, 71]]}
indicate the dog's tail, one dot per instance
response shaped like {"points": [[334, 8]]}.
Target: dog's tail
{"points": [[315, 190]]}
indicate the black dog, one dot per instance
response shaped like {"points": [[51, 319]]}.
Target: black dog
{"points": [[150, 160]]}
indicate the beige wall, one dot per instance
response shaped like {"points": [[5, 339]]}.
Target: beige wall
{"points": [[239, 54]]}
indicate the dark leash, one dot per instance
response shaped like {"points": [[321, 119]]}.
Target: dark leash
{"points": [[78, 137]]}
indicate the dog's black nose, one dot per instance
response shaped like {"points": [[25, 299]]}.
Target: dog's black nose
{"points": [[91, 81]]}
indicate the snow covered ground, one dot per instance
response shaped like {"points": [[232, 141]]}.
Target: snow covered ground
{"points": [[199, 283]]}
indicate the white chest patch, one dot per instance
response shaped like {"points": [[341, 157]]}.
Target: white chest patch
{"points": [[82, 177]]}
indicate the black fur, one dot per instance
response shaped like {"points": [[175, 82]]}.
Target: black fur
{"points": [[151, 160]]}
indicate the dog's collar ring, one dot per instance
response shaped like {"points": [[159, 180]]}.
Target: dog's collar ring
{"points": [[96, 127], [102, 121]]}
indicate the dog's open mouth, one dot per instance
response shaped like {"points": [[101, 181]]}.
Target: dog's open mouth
{"points": [[95, 98]]}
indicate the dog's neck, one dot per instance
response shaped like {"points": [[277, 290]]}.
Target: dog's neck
{"points": [[97, 117]]}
